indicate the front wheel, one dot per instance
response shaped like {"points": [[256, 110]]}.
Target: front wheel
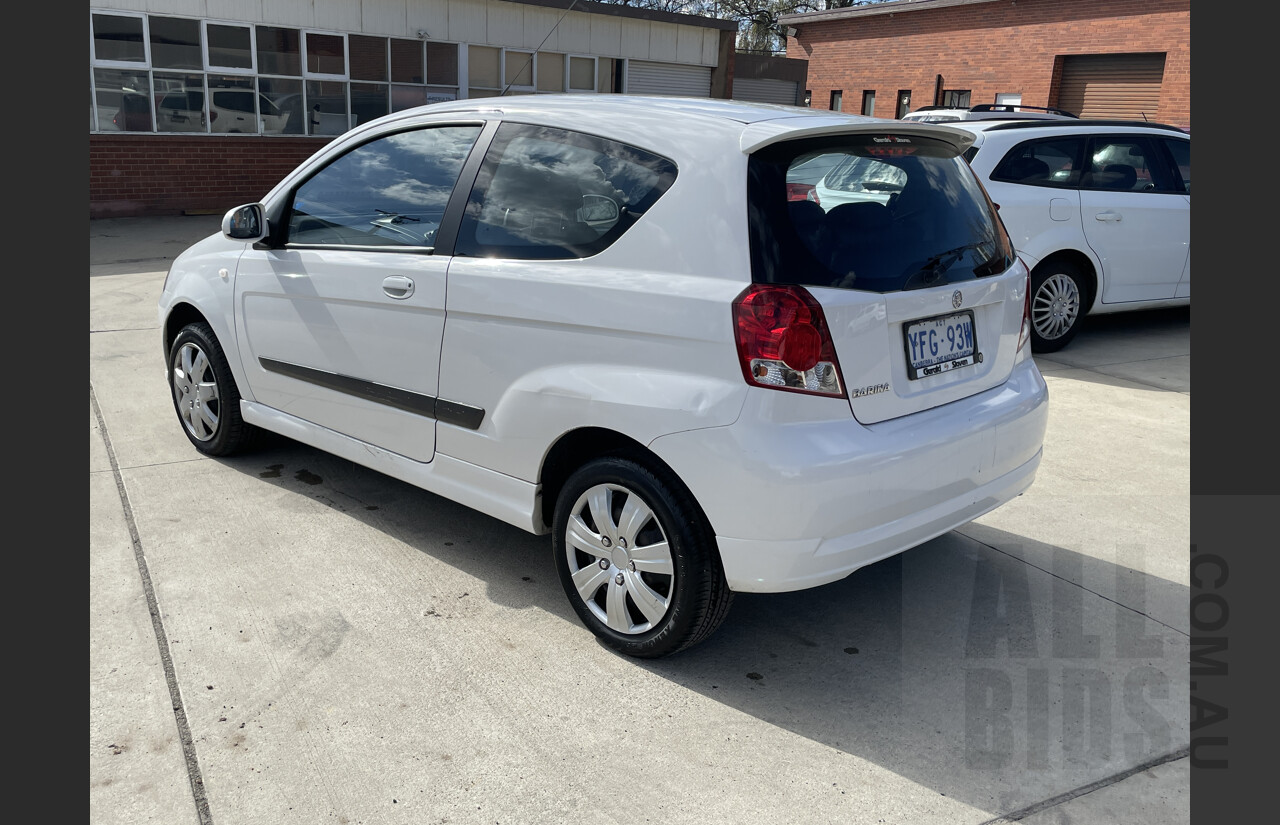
{"points": [[637, 559], [1057, 306], [205, 394]]}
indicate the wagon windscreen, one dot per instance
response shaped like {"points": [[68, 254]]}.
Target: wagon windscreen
{"points": [[874, 212]]}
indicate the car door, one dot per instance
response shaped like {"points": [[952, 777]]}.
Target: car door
{"points": [[340, 322], [1180, 156], [1135, 219]]}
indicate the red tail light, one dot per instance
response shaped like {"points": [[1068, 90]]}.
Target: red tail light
{"points": [[212, 115], [802, 192], [1025, 334], [783, 341]]}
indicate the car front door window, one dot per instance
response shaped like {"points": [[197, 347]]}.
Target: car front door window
{"points": [[389, 192]]}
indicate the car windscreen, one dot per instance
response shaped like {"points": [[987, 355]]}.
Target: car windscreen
{"points": [[878, 213]]}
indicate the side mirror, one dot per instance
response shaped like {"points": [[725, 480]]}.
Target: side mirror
{"points": [[598, 210], [245, 223]]}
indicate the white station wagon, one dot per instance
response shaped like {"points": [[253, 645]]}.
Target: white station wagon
{"points": [[610, 319]]}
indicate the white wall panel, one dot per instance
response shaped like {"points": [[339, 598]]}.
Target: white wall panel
{"points": [[688, 44], [431, 15], [339, 16], [606, 35], [635, 38], [249, 11], [662, 41], [710, 47], [468, 20], [575, 33], [181, 8], [537, 23], [506, 24], [384, 17]]}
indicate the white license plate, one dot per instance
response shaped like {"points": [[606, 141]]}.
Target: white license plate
{"points": [[938, 345]]}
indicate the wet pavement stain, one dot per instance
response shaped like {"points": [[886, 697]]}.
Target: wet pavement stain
{"points": [[307, 477]]}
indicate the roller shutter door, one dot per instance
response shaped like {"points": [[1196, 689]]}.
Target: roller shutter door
{"points": [[765, 90], [668, 79], [1112, 85]]}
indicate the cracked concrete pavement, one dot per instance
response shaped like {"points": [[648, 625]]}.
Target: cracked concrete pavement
{"points": [[285, 637]]}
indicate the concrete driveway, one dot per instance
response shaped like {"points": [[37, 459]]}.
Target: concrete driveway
{"points": [[286, 637]]}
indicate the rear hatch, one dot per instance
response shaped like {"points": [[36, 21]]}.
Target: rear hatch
{"points": [[897, 241]]}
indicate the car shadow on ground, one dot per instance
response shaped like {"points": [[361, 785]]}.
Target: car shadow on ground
{"points": [[977, 675]]}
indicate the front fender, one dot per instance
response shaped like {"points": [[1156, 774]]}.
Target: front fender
{"points": [[196, 280]]}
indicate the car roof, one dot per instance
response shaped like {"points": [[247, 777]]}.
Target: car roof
{"points": [[676, 125], [1066, 126]]}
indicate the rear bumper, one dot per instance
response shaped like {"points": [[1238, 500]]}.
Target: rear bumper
{"points": [[797, 502]]}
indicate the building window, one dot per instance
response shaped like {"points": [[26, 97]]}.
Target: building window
{"points": [[517, 72], [484, 71], [836, 95], [229, 47], [955, 98], [118, 39], [166, 74], [279, 51], [904, 102], [175, 43], [869, 102], [582, 74], [550, 72]]}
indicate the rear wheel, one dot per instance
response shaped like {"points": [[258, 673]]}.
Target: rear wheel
{"points": [[205, 394], [1058, 297], [637, 559]]}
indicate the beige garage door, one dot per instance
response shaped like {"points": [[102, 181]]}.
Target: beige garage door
{"points": [[1112, 85]]}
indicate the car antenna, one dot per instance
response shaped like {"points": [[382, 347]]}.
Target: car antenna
{"points": [[540, 45]]}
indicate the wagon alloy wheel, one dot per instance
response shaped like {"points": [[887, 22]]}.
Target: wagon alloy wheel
{"points": [[205, 394], [619, 559], [1057, 306], [637, 558], [195, 392]]}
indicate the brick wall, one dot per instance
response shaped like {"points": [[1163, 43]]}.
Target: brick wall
{"points": [[136, 175], [990, 48]]}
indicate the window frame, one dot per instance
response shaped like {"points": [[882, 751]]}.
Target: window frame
{"points": [[569, 57], [209, 66], [279, 213], [1159, 162], [102, 63], [307, 74]]}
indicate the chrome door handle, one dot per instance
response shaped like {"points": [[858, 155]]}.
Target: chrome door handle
{"points": [[1107, 216], [397, 286]]}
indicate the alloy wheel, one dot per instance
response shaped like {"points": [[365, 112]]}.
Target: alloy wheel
{"points": [[619, 559]]}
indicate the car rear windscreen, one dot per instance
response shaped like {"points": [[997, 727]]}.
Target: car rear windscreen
{"points": [[879, 213]]}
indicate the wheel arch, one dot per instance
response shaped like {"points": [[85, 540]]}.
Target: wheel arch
{"points": [[576, 447], [179, 316], [1084, 264]]}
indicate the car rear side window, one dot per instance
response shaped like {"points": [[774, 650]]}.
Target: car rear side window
{"points": [[878, 213], [1181, 152], [1054, 162], [388, 192], [545, 193]]}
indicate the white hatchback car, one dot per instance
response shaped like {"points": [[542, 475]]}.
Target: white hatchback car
{"points": [[1100, 210], [605, 318]]}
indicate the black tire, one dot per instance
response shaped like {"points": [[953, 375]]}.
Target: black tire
{"points": [[1059, 301], [694, 596], [204, 393]]}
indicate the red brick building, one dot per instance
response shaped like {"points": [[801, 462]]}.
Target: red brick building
{"points": [[1094, 58]]}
